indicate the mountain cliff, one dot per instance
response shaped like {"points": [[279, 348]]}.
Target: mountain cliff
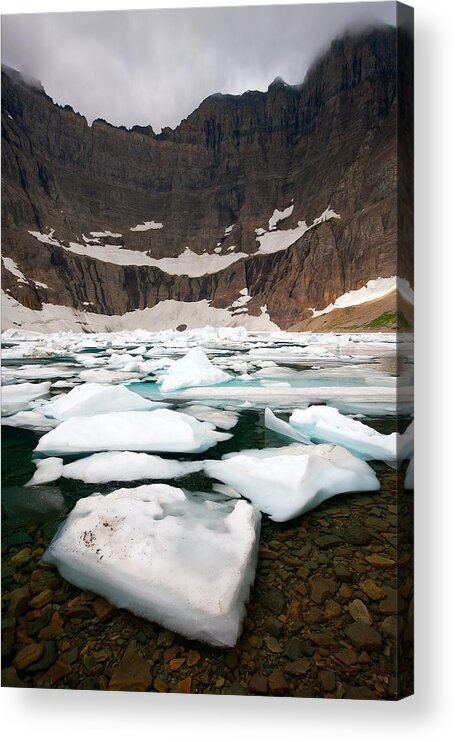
{"points": [[263, 205]]}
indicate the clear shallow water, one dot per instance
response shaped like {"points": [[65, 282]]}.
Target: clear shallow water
{"points": [[354, 373]]}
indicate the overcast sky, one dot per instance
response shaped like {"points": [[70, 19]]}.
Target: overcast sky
{"points": [[156, 66]]}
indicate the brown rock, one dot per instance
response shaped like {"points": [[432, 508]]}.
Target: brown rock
{"points": [[328, 681], [40, 579], [273, 645], [193, 657], [332, 609], [258, 684], [18, 601], [372, 589], [380, 562], [132, 673], [27, 655], [103, 610], [177, 663], [321, 588], [42, 599], [389, 627], [347, 656], [184, 686], [298, 667], [278, 685], [360, 612], [362, 636], [21, 558]]}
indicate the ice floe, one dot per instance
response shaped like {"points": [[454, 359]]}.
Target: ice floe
{"points": [[327, 425], [158, 430], [286, 482], [112, 466], [224, 419], [185, 562], [94, 399], [17, 397], [194, 369]]}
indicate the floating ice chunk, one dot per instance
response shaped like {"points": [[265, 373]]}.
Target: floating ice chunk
{"points": [[409, 478], [17, 397], [182, 561], [286, 482], [158, 430], [283, 428], [104, 376], [326, 424], [115, 466], [224, 419], [95, 399], [47, 470], [194, 369], [30, 420]]}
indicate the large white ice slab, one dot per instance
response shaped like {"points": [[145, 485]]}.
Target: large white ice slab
{"points": [[182, 561], [194, 369], [113, 466], [95, 399], [327, 425], [17, 397], [286, 482], [158, 430]]}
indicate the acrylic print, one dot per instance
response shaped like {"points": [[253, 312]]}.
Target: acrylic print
{"points": [[207, 419]]}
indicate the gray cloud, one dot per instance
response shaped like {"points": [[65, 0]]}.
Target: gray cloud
{"points": [[155, 67]]}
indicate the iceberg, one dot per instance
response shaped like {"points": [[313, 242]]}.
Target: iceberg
{"points": [[113, 466], [194, 369], [327, 425], [286, 482], [183, 561], [158, 430], [95, 399], [17, 397]]}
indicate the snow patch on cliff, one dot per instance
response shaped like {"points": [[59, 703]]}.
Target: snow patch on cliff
{"points": [[146, 226], [374, 289]]}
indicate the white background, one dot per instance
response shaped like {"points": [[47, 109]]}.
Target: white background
{"points": [[72, 715]]}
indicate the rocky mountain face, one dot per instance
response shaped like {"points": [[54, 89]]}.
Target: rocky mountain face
{"points": [[210, 185]]}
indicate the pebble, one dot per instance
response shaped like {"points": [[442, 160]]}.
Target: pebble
{"points": [[362, 636], [360, 612], [132, 672], [372, 589], [328, 681], [278, 685], [321, 588], [27, 655], [381, 562], [258, 684]]}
